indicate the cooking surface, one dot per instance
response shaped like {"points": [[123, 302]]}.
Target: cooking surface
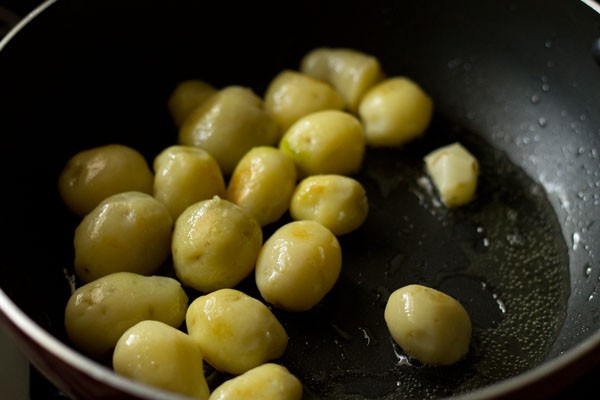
{"points": [[17, 379]]}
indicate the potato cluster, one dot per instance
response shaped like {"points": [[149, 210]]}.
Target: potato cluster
{"points": [[242, 162]]}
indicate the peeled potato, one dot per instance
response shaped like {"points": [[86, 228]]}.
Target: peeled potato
{"points": [[395, 112], [215, 245], [325, 142], [454, 172], [99, 312], [351, 72], [338, 202], [298, 265], [185, 175], [228, 124], [292, 95], [186, 97], [94, 174], [160, 355], [129, 231], [262, 183], [235, 332], [429, 325], [266, 382]]}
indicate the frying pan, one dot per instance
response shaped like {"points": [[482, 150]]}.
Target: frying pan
{"points": [[516, 82]]}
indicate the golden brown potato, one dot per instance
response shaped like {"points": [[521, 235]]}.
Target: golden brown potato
{"points": [[185, 175], [351, 72], [298, 265], [93, 174], [395, 112], [338, 202], [292, 95], [268, 381], [99, 312], [228, 124], [325, 142], [186, 97], [129, 231], [215, 245], [429, 325], [262, 183], [235, 332], [160, 355]]}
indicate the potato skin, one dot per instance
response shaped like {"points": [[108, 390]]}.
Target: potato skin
{"points": [[98, 313], [185, 175], [298, 265], [235, 331], [262, 183], [268, 381], [325, 142], [429, 325], [228, 124], [338, 202], [129, 231], [94, 174], [160, 355], [215, 245]]}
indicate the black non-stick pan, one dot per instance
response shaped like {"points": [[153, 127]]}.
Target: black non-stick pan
{"points": [[515, 82]]}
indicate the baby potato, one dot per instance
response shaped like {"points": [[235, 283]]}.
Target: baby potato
{"points": [[268, 381], [215, 245], [429, 325], [129, 231], [93, 174], [186, 97], [235, 332], [338, 202], [351, 72], [298, 265], [228, 124], [185, 175], [395, 112], [292, 95], [160, 355], [325, 142], [99, 312], [262, 183], [454, 172]]}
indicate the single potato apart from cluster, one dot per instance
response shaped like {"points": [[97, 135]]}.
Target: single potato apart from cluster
{"points": [[262, 183], [325, 142], [186, 97], [228, 124], [292, 95], [298, 265], [215, 245], [129, 231], [349, 71], [454, 172], [430, 326], [268, 381], [395, 112], [94, 174], [184, 175], [338, 202], [235, 331], [99, 312], [160, 355]]}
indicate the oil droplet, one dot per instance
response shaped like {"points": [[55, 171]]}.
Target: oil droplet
{"points": [[535, 98], [587, 270], [542, 122], [576, 239]]}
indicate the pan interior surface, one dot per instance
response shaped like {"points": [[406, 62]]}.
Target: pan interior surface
{"points": [[102, 71]]}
